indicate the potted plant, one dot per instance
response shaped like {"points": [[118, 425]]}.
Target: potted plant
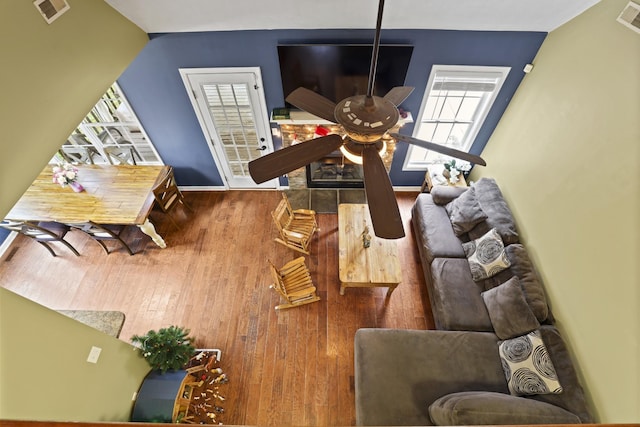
{"points": [[167, 349], [452, 169]]}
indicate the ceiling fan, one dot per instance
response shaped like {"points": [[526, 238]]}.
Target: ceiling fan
{"points": [[365, 119]]}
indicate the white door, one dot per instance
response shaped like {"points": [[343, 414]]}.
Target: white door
{"points": [[232, 112]]}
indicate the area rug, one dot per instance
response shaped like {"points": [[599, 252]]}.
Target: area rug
{"points": [[109, 322]]}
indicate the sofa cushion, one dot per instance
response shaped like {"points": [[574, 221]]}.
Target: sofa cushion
{"points": [[399, 372], [508, 310], [443, 194], [465, 212], [455, 298], [499, 215], [486, 255], [481, 408], [522, 267], [527, 366], [434, 235]]}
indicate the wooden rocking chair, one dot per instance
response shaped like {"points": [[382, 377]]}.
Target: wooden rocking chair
{"points": [[296, 227], [293, 283]]}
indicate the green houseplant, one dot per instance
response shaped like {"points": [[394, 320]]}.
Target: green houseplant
{"points": [[453, 169], [167, 349]]}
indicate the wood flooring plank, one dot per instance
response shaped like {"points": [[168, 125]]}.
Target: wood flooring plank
{"points": [[289, 368]]}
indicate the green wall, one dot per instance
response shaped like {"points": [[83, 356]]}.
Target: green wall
{"points": [[51, 76], [567, 157], [45, 375]]}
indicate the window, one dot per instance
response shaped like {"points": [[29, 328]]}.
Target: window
{"points": [[454, 107], [110, 127]]}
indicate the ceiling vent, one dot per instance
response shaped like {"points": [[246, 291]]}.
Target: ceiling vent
{"points": [[51, 9], [630, 16]]}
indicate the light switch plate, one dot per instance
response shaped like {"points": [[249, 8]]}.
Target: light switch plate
{"points": [[94, 354]]}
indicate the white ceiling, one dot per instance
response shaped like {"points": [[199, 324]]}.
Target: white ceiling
{"points": [[160, 16]]}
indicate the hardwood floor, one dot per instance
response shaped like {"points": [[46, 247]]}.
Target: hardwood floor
{"points": [[293, 367]]}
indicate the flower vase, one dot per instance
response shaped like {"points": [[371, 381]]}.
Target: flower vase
{"points": [[76, 186]]}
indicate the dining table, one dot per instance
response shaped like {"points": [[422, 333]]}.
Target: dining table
{"points": [[112, 194]]}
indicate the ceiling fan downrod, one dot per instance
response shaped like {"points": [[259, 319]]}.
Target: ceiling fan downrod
{"points": [[374, 54]]}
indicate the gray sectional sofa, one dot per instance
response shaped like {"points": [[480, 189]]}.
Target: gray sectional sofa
{"points": [[493, 322]]}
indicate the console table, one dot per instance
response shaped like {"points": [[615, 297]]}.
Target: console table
{"points": [[433, 176], [360, 267]]}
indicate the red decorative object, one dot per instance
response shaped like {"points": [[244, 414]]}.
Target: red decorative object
{"points": [[320, 131]]}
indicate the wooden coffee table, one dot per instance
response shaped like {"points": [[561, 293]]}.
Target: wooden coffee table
{"points": [[377, 265]]}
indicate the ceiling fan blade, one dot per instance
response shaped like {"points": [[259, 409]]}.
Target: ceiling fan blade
{"points": [[383, 206], [441, 149], [313, 103], [291, 158], [398, 94]]}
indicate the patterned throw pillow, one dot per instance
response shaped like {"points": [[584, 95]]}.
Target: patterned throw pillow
{"points": [[527, 366], [486, 255]]}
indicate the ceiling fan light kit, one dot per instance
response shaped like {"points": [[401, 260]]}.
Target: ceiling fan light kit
{"points": [[366, 120], [353, 151]]}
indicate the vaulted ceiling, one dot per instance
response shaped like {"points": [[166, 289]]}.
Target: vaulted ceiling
{"points": [[160, 16]]}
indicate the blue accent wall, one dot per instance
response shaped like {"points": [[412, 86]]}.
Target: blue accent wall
{"points": [[153, 85]]}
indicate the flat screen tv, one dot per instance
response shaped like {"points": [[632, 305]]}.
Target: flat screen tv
{"points": [[338, 71]]}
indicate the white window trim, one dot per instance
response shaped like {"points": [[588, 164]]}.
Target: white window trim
{"points": [[501, 73]]}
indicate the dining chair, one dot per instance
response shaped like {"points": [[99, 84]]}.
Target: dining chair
{"points": [[110, 135], [79, 154], [121, 155], [168, 195], [295, 227], [42, 232], [102, 232], [293, 282]]}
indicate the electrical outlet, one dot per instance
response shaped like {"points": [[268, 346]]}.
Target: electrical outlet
{"points": [[94, 354]]}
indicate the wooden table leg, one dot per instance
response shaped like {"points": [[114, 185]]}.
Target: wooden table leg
{"points": [[390, 290], [148, 229]]}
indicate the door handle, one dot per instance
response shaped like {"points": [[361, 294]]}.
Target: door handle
{"points": [[264, 147]]}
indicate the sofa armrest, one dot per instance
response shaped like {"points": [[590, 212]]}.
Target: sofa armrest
{"points": [[480, 407], [572, 398], [443, 194]]}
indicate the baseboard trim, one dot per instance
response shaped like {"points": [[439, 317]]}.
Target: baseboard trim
{"points": [[202, 188]]}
